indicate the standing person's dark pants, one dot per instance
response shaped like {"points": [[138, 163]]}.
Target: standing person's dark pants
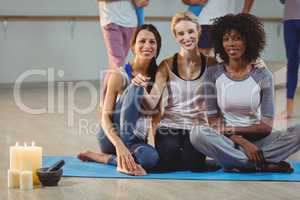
{"points": [[292, 46], [176, 151]]}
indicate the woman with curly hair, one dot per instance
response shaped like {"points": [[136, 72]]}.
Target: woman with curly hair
{"points": [[240, 103]]}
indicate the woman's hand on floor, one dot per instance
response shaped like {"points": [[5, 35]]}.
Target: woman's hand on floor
{"points": [[125, 159], [140, 171]]}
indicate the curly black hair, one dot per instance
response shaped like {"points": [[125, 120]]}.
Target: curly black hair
{"points": [[250, 28]]}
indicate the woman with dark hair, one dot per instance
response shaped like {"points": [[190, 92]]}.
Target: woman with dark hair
{"points": [[240, 103], [124, 125]]}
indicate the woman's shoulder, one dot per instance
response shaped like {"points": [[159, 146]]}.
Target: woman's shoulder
{"points": [[263, 70], [263, 73], [214, 68], [213, 72], [118, 73], [118, 77], [263, 77], [167, 62]]}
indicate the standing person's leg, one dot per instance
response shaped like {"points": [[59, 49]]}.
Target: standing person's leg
{"points": [[133, 129], [113, 39], [292, 44], [212, 144], [205, 44], [127, 33]]}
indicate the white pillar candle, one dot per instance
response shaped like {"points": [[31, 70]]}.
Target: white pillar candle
{"points": [[36, 158], [15, 156], [13, 178], [26, 182], [25, 159]]}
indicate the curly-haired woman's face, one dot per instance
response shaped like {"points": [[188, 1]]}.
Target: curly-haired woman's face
{"points": [[234, 45], [146, 45], [186, 34]]}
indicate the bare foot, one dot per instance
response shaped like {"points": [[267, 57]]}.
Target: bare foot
{"points": [[93, 157], [140, 171], [282, 166]]}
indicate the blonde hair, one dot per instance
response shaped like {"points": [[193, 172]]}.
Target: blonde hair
{"points": [[187, 16]]}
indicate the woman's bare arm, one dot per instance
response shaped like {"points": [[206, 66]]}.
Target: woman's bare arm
{"points": [[114, 86], [153, 97], [260, 130]]}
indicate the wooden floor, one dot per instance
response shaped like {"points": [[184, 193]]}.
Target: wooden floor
{"points": [[51, 131]]}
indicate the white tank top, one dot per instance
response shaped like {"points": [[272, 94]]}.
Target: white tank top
{"points": [[118, 12], [216, 8], [185, 104]]}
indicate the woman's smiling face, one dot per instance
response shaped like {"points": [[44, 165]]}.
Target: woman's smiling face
{"points": [[186, 34], [234, 45], [145, 46]]}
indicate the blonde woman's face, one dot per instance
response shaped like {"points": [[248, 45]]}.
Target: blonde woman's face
{"points": [[146, 45], [186, 34]]}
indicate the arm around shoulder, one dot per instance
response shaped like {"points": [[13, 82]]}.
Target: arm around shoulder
{"points": [[211, 61], [152, 99]]}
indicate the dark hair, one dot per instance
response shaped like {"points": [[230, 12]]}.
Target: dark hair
{"points": [[153, 65], [250, 28]]}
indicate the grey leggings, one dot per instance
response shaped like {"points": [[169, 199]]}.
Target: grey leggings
{"points": [[276, 147]]}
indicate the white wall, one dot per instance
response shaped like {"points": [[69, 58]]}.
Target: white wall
{"points": [[43, 45]]}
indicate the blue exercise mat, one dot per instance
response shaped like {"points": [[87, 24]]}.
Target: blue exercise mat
{"points": [[76, 168]]}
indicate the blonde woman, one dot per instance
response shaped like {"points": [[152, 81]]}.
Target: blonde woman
{"points": [[182, 76]]}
